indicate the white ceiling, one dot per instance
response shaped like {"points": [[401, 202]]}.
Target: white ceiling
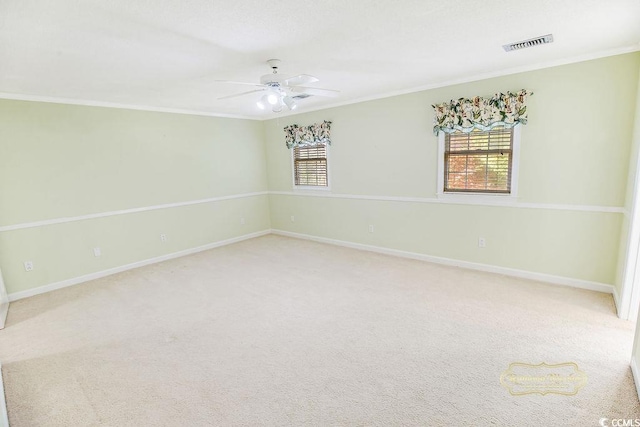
{"points": [[167, 54]]}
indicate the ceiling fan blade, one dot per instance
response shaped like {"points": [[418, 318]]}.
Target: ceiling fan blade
{"points": [[240, 94], [301, 79], [239, 83], [315, 91]]}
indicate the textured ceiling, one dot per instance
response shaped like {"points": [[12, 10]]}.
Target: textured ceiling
{"points": [[167, 54]]}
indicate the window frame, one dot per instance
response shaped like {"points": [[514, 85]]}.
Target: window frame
{"points": [[311, 187], [479, 195]]}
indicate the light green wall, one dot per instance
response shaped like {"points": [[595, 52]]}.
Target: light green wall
{"points": [[514, 236], [64, 251], [574, 152], [62, 161]]}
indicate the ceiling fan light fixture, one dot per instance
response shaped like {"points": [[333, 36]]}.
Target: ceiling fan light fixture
{"points": [[290, 103], [272, 98], [261, 105]]}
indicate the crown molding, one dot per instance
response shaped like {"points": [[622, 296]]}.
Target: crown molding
{"points": [[91, 103], [472, 78], [272, 116]]}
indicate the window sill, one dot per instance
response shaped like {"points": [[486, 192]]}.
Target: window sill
{"points": [[310, 188], [479, 197]]}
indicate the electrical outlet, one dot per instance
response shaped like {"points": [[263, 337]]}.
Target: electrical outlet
{"points": [[242, 221], [28, 265], [293, 218], [482, 243], [370, 228], [163, 237], [97, 252]]}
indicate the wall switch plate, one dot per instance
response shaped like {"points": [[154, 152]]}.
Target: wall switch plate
{"points": [[242, 221], [163, 237], [97, 252], [28, 265], [293, 218], [482, 243], [370, 228]]}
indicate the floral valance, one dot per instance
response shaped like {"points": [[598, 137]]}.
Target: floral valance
{"points": [[503, 109], [305, 136]]}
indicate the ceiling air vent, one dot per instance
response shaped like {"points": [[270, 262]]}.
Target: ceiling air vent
{"points": [[528, 43]]}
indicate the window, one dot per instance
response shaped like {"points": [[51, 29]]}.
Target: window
{"points": [[310, 166], [479, 162]]}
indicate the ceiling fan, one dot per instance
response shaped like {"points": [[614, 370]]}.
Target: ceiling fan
{"points": [[280, 91]]}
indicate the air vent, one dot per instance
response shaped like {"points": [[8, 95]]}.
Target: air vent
{"points": [[301, 96], [528, 43]]}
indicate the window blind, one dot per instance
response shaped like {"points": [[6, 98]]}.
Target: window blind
{"points": [[478, 161], [310, 165]]}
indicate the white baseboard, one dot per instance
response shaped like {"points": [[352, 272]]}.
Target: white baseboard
{"points": [[636, 375], [4, 309], [4, 416], [542, 277], [4, 302], [616, 301], [99, 274]]}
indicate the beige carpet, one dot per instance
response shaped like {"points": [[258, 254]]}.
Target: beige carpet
{"points": [[283, 332]]}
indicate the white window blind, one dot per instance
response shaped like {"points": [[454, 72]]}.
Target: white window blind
{"points": [[310, 166], [479, 161]]}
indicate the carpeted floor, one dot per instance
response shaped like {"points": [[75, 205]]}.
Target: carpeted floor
{"points": [[283, 332]]}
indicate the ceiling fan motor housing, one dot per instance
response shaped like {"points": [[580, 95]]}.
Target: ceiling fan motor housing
{"points": [[272, 79], [274, 63]]}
